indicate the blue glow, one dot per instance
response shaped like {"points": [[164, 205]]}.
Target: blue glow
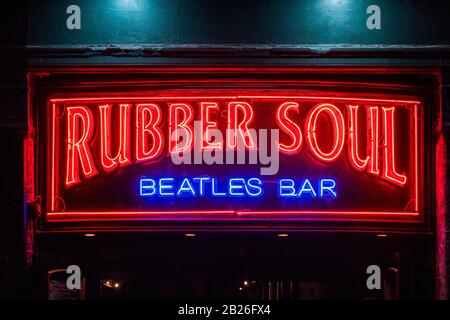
{"points": [[200, 187]]}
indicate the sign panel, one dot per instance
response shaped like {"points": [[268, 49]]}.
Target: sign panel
{"points": [[234, 154]]}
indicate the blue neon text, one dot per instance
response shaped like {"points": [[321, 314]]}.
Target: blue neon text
{"points": [[200, 186]]}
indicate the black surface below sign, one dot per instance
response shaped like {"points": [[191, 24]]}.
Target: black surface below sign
{"points": [[286, 23]]}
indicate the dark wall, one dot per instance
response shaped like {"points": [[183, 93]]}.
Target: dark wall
{"points": [[235, 22]]}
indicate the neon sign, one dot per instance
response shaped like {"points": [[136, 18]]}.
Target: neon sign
{"points": [[342, 156]]}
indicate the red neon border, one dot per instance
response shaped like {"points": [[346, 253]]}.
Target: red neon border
{"points": [[219, 215]]}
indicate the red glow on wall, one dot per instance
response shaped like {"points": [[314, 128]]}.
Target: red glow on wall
{"points": [[80, 128]]}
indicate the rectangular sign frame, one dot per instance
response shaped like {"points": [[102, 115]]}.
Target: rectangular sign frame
{"points": [[256, 220]]}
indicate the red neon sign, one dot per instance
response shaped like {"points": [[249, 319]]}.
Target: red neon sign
{"points": [[331, 149]]}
